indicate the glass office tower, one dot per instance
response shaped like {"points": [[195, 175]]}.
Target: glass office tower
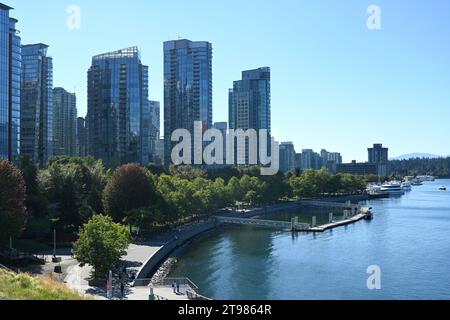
{"points": [[118, 110], [187, 88], [64, 123], [10, 68], [249, 103], [36, 104]]}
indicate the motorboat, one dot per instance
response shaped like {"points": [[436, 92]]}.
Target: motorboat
{"points": [[407, 186], [393, 188], [426, 178], [416, 182], [443, 188], [374, 192]]}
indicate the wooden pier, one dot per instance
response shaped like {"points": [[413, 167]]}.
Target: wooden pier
{"points": [[352, 213]]}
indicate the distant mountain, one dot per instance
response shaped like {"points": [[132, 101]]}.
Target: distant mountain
{"points": [[416, 155]]}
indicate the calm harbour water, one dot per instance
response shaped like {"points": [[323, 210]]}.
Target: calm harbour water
{"points": [[409, 239]]}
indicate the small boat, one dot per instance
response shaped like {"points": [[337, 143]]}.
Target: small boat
{"points": [[368, 216], [443, 188], [416, 182]]}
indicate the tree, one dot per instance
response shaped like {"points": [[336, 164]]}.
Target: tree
{"points": [[12, 201], [36, 202], [101, 243], [130, 188]]}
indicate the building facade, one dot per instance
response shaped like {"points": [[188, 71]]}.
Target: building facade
{"points": [[357, 168], [81, 137], [155, 129], [379, 156], [287, 157], [330, 160], [10, 73], [36, 104], [310, 160], [64, 123], [249, 105], [187, 89], [118, 108]]}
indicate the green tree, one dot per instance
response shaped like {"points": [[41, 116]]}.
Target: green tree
{"points": [[130, 188], [101, 243], [12, 201]]}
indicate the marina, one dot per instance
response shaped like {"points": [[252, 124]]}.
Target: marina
{"points": [[248, 262]]}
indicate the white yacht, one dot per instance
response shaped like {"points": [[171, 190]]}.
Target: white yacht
{"points": [[407, 186], [426, 178], [393, 188]]}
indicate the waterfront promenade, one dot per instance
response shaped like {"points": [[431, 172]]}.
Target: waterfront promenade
{"points": [[145, 258]]}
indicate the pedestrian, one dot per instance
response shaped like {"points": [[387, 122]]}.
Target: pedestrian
{"points": [[173, 287], [122, 290], [178, 287]]}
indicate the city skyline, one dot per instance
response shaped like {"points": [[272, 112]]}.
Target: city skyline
{"points": [[368, 72]]}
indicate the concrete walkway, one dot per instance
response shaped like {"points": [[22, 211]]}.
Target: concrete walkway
{"points": [[78, 276]]}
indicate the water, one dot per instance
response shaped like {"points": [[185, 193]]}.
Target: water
{"points": [[409, 239]]}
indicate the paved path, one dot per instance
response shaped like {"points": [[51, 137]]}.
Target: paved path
{"points": [[78, 276]]}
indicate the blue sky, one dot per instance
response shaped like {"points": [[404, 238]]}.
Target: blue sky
{"points": [[335, 83]]}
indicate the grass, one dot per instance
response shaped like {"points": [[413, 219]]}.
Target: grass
{"points": [[22, 286]]}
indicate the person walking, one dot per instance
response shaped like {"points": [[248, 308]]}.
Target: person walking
{"points": [[173, 287], [178, 288], [122, 290]]}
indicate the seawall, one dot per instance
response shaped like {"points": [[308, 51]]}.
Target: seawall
{"points": [[162, 254]]}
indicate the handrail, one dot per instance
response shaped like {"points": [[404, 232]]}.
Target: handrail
{"points": [[166, 282]]}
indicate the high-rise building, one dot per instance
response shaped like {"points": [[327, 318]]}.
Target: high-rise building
{"points": [[187, 89], [223, 128], [250, 104], [36, 104], [310, 160], [330, 160], [118, 108], [10, 72], [155, 128], [287, 157], [81, 137], [159, 151], [64, 123], [379, 156]]}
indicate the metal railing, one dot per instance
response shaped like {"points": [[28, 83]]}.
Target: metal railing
{"points": [[166, 282]]}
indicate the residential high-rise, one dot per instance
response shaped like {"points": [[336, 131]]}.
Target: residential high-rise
{"points": [[81, 137], [36, 104], [250, 103], [187, 89], [287, 157], [10, 69], [118, 108], [155, 128], [64, 123], [310, 160], [223, 128], [379, 156], [330, 160]]}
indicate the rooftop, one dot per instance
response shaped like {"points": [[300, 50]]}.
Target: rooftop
{"points": [[5, 7], [131, 52]]}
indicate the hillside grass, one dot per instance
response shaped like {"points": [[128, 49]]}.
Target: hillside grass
{"points": [[21, 286]]}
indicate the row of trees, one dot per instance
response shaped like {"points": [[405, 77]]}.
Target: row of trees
{"points": [[439, 167], [72, 192], [69, 191]]}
